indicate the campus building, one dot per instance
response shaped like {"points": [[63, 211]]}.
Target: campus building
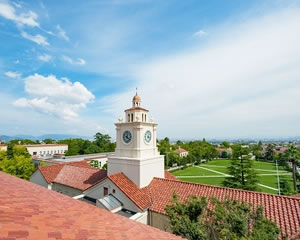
{"points": [[46, 150], [137, 187]]}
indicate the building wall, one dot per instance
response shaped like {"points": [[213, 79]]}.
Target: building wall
{"points": [[141, 217], [69, 191], [3, 148], [140, 171], [38, 178], [159, 220], [44, 150], [97, 192]]}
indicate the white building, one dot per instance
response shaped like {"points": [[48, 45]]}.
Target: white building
{"points": [[46, 150], [3, 147], [182, 152]]}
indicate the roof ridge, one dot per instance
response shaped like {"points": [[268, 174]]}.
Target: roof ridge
{"points": [[221, 187]]}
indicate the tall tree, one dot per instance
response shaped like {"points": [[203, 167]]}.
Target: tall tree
{"points": [[222, 220], [269, 153], [292, 154], [241, 172]]}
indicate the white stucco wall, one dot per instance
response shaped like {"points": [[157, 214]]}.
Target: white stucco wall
{"points": [[3, 147], [97, 192], [38, 178], [46, 150]]}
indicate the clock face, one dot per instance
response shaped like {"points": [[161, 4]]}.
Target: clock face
{"points": [[127, 137], [148, 136]]}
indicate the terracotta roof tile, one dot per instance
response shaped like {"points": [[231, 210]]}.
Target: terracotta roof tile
{"points": [[79, 177], [138, 196], [181, 150], [285, 211], [170, 176], [29, 211], [50, 172], [136, 108]]}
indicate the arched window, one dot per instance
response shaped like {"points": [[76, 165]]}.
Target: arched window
{"points": [[145, 117], [131, 117], [142, 117], [128, 119]]}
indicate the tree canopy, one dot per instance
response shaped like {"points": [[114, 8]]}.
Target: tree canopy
{"points": [[195, 219]]}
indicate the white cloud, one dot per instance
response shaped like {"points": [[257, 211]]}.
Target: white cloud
{"points": [[200, 33], [45, 58], [58, 97], [13, 74], [62, 33], [245, 82], [78, 61], [8, 11], [39, 39]]}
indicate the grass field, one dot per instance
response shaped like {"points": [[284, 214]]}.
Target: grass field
{"points": [[214, 173]]}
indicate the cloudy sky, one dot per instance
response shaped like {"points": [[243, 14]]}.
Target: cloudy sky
{"points": [[214, 69]]}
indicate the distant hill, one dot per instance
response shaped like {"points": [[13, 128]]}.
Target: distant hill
{"points": [[6, 138]]}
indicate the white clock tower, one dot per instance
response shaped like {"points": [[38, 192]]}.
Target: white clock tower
{"points": [[136, 152]]}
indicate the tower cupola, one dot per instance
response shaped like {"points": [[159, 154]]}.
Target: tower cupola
{"points": [[136, 101]]}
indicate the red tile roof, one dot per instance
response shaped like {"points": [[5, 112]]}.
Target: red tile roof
{"points": [[138, 196], [180, 150], [79, 175], [42, 145], [29, 211], [285, 211], [80, 178], [170, 176], [136, 108]]}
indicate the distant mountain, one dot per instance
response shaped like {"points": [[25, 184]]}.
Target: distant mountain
{"points": [[6, 138]]}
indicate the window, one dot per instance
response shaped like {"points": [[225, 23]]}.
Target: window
{"points": [[131, 117], [105, 191], [128, 118], [114, 191]]}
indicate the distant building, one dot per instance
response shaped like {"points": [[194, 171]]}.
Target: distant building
{"points": [[45, 150], [3, 147], [182, 152], [221, 150]]}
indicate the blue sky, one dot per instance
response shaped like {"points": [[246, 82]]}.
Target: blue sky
{"points": [[214, 69]]}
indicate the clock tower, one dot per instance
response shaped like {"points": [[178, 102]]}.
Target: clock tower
{"points": [[136, 152]]}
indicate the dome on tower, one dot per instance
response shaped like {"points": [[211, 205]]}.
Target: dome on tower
{"points": [[136, 98]]}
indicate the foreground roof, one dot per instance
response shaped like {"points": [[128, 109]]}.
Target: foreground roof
{"points": [[29, 211], [79, 175], [285, 211]]}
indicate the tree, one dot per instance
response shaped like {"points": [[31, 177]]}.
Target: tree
{"points": [[292, 154], [285, 188], [19, 164], [49, 141], [223, 220], [241, 173], [103, 141], [225, 144], [269, 154]]}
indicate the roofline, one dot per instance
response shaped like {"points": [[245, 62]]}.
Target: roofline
{"points": [[234, 189], [125, 193]]}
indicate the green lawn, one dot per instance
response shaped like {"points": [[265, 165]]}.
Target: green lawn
{"points": [[219, 167]]}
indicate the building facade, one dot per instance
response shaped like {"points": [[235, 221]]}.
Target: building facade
{"points": [[46, 150]]}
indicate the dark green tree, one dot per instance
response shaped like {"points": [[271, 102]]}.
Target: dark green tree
{"points": [[241, 172], [269, 153], [292, 154]]}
